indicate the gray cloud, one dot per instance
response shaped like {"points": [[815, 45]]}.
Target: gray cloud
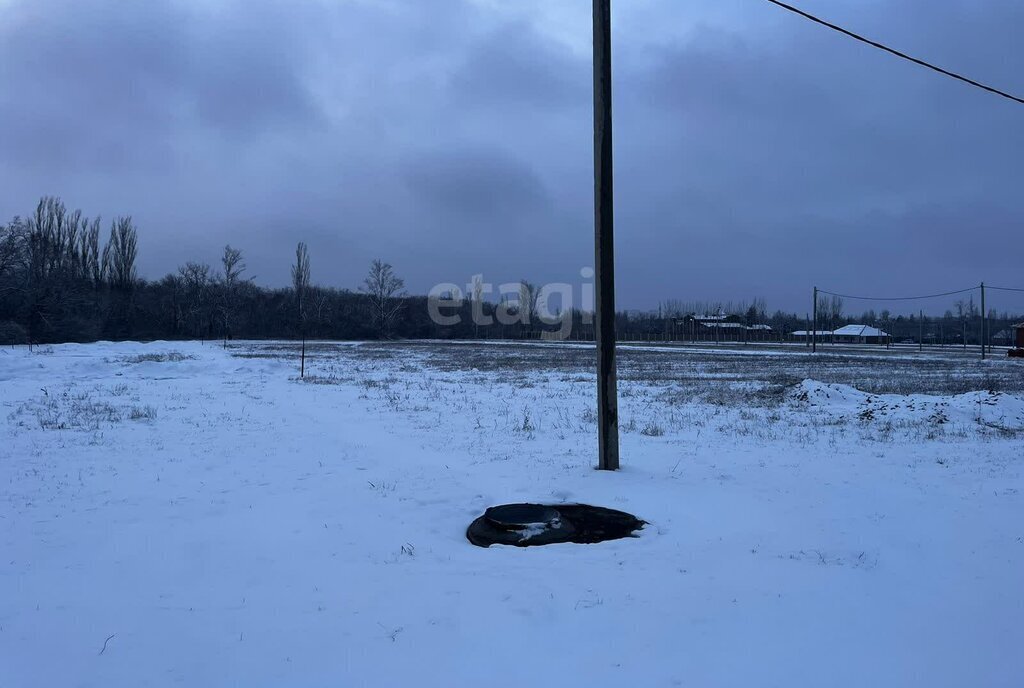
{"points": [[514, 67], [478, 186], [123, 85], [756, 154]]}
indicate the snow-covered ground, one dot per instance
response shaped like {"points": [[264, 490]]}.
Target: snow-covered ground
{"points": [[174, 513]]}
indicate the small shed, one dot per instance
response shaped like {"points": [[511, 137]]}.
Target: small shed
{"points": [[1018, 340]]}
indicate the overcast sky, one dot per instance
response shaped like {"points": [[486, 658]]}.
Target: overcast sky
{"points": [[756, 153]]}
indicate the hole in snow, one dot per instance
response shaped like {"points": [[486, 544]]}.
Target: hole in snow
{"points": [[525, 525]]}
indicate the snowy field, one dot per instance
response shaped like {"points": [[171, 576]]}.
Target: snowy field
{"points": [[181, 514]]}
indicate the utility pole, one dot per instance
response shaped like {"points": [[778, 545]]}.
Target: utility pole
{"points": [[604, 244], [814, 325], [920, 330], [984, 321]]}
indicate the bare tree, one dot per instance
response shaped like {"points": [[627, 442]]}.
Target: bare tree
{"points": [[300, 283], [835, 308], [529, 295], [673, 308], [13, 240], [477, 303], [830, 311], [51, 272], [761, 305], [89, 253], [196, 284], [233, 264], [300, 280], [751, 317], [384, 290], [118, 264], [231, 280], [321, 303]]}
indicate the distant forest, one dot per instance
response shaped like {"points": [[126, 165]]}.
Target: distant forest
{"points": [[60, 281]]}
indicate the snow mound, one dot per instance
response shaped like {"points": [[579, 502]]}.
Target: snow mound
{"points": [[993, 409]]}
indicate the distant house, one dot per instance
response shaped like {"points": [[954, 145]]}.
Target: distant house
{"points": [[710, 318], [1019, 339], [848, 334], [759, 333], [1004, 337], [805, 335], [734, 326], [859, 334], [721, 327]]}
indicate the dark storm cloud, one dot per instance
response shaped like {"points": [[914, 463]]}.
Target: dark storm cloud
{"points": [[477, 185], [756, 153]]}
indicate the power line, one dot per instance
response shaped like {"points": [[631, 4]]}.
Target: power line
{"points": [[897, 53], [1004, 288], [898, 298]]}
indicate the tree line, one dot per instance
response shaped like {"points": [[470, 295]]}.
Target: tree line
{"points": [[62, 281]]}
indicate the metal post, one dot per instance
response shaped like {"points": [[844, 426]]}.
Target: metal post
{"points": [[814, 324], [604, 245], [920, 330], [984, 321]]}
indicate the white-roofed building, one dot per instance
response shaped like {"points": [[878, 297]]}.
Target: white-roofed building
{"points": [[805, 335], [859, 334]]}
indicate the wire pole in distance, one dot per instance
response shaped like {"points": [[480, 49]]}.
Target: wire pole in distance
{"points": [[814, 324], [920, 330], [983, 321]]}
